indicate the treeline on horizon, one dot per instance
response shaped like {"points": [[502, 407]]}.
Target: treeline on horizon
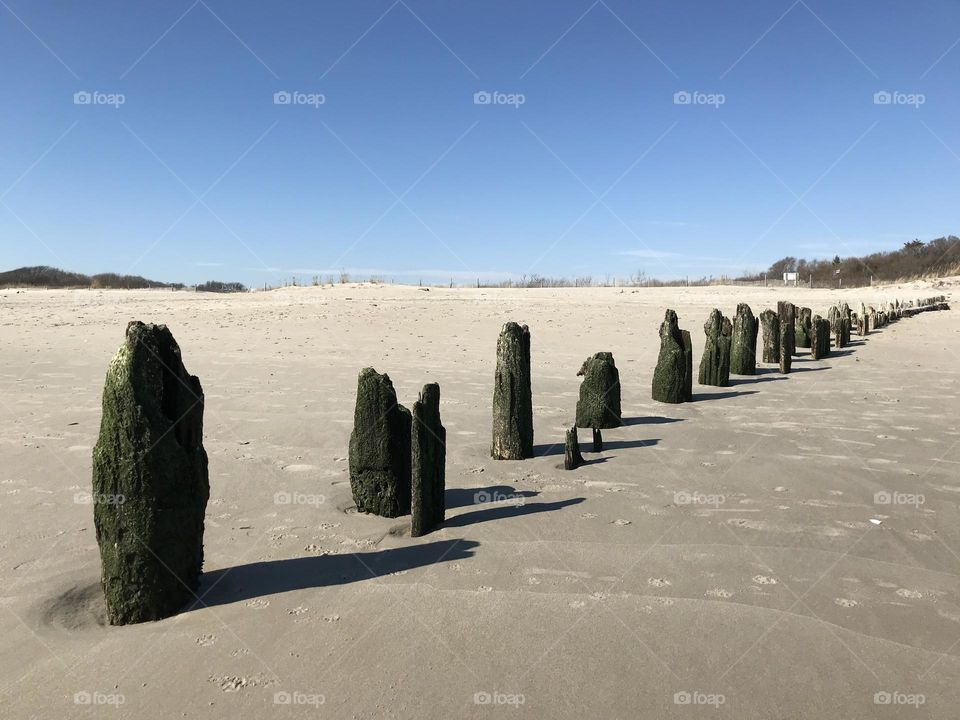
{"points": [[54, 278], [916, 259]]}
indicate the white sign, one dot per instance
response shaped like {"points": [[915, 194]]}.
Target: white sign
{"points": [[791, 276]]}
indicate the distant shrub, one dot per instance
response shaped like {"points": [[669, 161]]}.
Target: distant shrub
{"points": [[216, 286], [49, 277]]}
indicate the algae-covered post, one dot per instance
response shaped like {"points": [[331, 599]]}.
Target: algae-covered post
{"points": [[672, 381], [787, 312], [428, 457], [743, 348], [715, 363], [599, 404], [512, 397], [150, 479], [803, 327], [380, 448], [770, 322]]}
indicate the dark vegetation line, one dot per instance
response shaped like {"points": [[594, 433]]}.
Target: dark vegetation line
{"points": [[48, 277], [915, 260]]}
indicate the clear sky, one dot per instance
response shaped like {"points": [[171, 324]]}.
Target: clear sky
{"points": [[181, 167]]}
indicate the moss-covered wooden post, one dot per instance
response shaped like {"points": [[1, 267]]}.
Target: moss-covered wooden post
{"points": [[512, 396], [804, 324], [599, 403], [786, 334], [787, 312], [150, 479], [715, 363], [743, 345], [671, 378], [770, 322], [380, 448], [428, 457]]}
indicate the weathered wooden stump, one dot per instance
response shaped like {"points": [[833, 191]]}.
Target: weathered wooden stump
{"points": [[743, 344], [599, 403], [428, 452], [380, 448], [803, 327], [572, 459], [150, 479], [715, 363], [512, 397], [770, 322], [786, 358], [819, 337], [787, 312], [671, 378]]}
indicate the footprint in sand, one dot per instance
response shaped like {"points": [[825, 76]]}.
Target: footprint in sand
{"points": [[331, 618], [258, 604], [588, 516], [845, 602], [299, 610], [485, 588], [577, 603], [658, 582], [206, 640], [911, 594], [764, 580], [620, 522]]}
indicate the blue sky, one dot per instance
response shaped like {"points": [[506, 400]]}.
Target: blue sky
{"points": [[586, 163]]}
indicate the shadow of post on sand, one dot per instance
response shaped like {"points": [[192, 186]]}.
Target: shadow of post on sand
{"points": [[260, 579]]}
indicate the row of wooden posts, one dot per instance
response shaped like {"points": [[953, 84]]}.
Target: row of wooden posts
{"points": [[150, 470]]}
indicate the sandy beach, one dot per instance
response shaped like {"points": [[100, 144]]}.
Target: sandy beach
{"points": [[726, 558]]}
